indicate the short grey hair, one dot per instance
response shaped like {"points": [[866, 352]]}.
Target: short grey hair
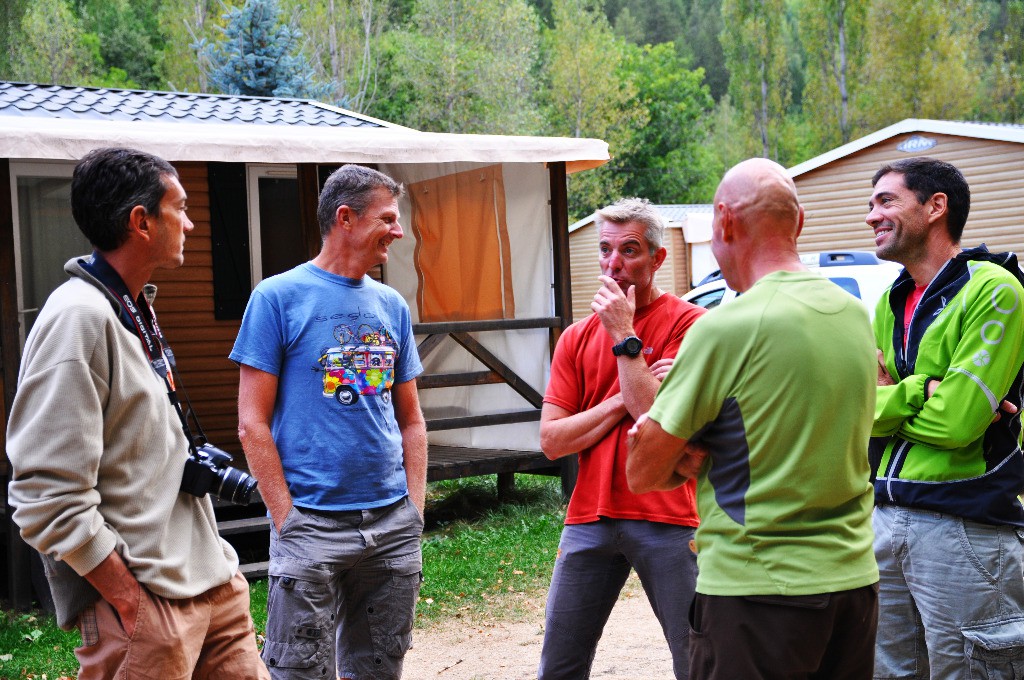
{"points": [[634, 210], [354, 186]]}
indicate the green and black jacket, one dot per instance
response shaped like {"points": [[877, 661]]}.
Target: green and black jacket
{"points": [[945, 453]]}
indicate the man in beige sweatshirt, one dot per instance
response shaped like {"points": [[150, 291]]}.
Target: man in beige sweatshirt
{"points": [[98, 450]]}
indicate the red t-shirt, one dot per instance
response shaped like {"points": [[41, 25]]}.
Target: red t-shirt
{"points": [[584, 372], [908, 310]]}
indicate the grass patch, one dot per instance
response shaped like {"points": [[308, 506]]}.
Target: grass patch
{"points": [[481, 558], [488, 557], [31, 644], [258, 608]]}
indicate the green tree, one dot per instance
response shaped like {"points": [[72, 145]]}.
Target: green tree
{"points": [[588, 95], [11, 12], [51, 46], [183, 25], [924, 65], [343, 41], [257, 55], [832, 35], [128, 38], [669, 161], [660, 21], [729, 137], [1005, 82], [754, 42], [470, 66], [396, 96], [701, 41]]}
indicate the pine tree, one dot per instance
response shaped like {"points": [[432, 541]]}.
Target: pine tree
{"points": [[257, 56]]}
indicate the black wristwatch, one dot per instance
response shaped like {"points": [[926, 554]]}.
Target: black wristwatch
{"points": [[631, 346]]}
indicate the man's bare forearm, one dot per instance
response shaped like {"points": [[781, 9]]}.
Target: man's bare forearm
{"points": [[562, 433], [414, 446], [117, 585], [638, 384], [265, 464], [655, 458]]}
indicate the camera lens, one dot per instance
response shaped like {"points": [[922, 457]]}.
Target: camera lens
{"points": [[236, 486]]}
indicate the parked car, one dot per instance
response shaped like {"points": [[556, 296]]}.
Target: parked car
{"points": [[858, 272]]}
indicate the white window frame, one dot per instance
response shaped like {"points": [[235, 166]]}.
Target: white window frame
{"points": [[253, 173], [60, 169]]}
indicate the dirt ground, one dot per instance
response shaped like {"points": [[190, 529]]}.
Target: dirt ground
{"points": [[632, 647]]}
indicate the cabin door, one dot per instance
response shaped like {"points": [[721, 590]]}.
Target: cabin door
{"points": [[276, 239]]}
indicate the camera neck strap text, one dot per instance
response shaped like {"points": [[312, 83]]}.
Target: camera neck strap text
{"points": [[153, 343]]}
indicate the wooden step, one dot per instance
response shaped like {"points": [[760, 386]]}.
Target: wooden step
{"points": [[254, 570], [243, 526]]}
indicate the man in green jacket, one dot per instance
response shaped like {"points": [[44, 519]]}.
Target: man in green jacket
{"points": [[948, 468]]}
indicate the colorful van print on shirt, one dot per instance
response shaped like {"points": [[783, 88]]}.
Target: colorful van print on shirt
{"points": [[362, 364]]}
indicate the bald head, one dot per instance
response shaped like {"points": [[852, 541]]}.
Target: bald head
{"points": [[757, 220], [759, 192]]}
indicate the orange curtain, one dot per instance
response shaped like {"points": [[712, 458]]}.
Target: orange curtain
{"points": [[462, 248]]}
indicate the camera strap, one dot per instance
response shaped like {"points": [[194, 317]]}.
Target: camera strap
{"points": [[138, 316]]}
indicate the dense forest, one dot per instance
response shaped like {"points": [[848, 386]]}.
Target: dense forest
{"points": [[680, 89]]}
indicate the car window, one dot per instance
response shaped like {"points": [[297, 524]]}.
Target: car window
{"points": [[847, 284], [710, 299]]}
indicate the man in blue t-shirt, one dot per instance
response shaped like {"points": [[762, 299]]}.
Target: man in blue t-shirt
{"points": [[331, 425]]}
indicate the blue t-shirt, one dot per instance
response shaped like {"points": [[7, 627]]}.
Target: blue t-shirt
{"points": [[337, 345]]}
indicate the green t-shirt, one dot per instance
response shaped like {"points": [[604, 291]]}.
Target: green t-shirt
{"points": [[780, 385]]}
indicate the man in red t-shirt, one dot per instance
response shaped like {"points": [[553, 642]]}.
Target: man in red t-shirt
{"points": [[605, 373]]}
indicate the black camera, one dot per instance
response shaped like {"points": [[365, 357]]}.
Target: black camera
{"points": [[210, 473]]}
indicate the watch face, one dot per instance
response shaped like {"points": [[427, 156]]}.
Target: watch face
{"points": [[633, 346]]}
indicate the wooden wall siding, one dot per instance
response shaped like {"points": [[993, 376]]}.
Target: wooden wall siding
{"points": [[835, 196], [184, 306], [667, 277], [679, 261], [673, 275], [584, 269]]}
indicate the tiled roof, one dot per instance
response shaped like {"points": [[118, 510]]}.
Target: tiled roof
{"points": [[55, 101], [677, 212], [1018, 126], [671, 212]]}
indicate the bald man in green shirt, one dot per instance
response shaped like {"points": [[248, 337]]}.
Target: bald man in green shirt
{"points": [[769, 405]]}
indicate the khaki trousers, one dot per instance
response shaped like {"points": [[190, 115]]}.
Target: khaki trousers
{"points": [[207, 636]]}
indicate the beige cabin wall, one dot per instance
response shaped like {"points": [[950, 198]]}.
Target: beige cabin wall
{"points": [[835, 196]]}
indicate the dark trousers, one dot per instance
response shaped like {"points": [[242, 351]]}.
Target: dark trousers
{"points": [[594, 560], [830, 636]]}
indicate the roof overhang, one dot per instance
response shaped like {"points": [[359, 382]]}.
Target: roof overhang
{"points": [[32, 138], [1005, 133], [672, 213]]}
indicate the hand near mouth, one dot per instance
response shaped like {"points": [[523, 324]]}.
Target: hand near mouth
{"points": [[615, 308]]}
